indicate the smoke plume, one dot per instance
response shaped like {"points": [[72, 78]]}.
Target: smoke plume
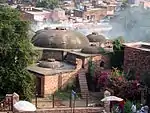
{"points": [[133, 24]]}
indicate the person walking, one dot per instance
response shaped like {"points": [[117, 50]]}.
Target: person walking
{"points": [[133, 108]]}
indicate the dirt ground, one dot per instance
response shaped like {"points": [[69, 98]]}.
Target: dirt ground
{"points": [[47, 103]]}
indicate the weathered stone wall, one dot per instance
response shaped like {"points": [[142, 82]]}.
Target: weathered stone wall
{"points": [[69, 110], [136, 59], [54, 82]]}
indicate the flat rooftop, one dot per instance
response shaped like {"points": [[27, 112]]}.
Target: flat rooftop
{"points": [[37, 12], [49, 71], [145, 46]]}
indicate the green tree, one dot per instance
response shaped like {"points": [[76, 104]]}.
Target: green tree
{"points": [[118, 54], [16, 53], [91, 67], [50, 4]]}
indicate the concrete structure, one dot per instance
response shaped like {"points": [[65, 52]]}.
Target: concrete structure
{"points": [[58, 14], [69, 62], [39, 15], [145, 4], [35, 15], [95, 14], [50, 80], [137, 57]]}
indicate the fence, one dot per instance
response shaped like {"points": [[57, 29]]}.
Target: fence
{"points": [[67, 100], [6, 103]]}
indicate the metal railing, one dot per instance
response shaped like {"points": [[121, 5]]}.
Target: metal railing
{"points": [[70, 101]]}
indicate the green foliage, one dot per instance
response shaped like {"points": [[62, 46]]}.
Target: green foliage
{"points": [[91, 67], [118, 54], [124, 1], [50, 4], [127, 107], [16, 54], [101, 50], [116, 73]]}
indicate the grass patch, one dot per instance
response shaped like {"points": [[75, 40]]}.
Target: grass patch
{"points": [[63, 95]]}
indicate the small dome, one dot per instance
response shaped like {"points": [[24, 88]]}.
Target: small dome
{"points": [[60, 38], [92, 50], [50, 64], [95, 37]]}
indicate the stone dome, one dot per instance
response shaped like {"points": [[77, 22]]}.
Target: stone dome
{"points": [[95, 37], [50, 64], [92, 50], [60, 38]]}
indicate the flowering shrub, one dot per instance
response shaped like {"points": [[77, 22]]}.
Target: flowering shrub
{"points": [[120, 85], [103, 79]]}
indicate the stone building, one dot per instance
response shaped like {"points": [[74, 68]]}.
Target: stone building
{"points": [[137, 57], [64, 55]]}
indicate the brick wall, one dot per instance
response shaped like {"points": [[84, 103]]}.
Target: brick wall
{"points": [[69, 110], [136, 59], [54, 82]]}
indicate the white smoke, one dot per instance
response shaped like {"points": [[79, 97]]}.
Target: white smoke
{"points": [[133, 23]]}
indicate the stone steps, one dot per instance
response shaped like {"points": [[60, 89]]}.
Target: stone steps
{"points": [[83, 84]]}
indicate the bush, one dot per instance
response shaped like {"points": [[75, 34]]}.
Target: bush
{"points": [[127, 107]]}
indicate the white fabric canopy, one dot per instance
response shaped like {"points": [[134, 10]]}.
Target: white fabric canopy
{"points": [[112, 98], [24, 106]]}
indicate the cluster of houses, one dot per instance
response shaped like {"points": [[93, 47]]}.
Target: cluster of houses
{"points": [[85, 11]]}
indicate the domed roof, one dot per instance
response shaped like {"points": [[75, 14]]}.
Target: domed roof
{"points": [[95, 37], [92, 50], [60, 38]]}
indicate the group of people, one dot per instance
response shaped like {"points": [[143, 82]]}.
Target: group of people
{"points": [[119, 108], [144, 109]]}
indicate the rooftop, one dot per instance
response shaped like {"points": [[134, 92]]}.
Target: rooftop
{"points": [[50, 71], [145, 46], [37, 12]]}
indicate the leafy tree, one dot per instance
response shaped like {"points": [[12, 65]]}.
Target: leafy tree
{"points": [[118, 54], [91, 67], [16, 54], [51, 4]]}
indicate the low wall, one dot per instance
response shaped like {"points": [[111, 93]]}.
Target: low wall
{"points": [[69, 110]]}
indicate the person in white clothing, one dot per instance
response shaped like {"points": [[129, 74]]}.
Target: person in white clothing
{"points": [[133, 108]]}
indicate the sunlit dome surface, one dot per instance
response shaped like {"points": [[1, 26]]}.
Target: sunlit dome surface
{"points": [[60, 38]]}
